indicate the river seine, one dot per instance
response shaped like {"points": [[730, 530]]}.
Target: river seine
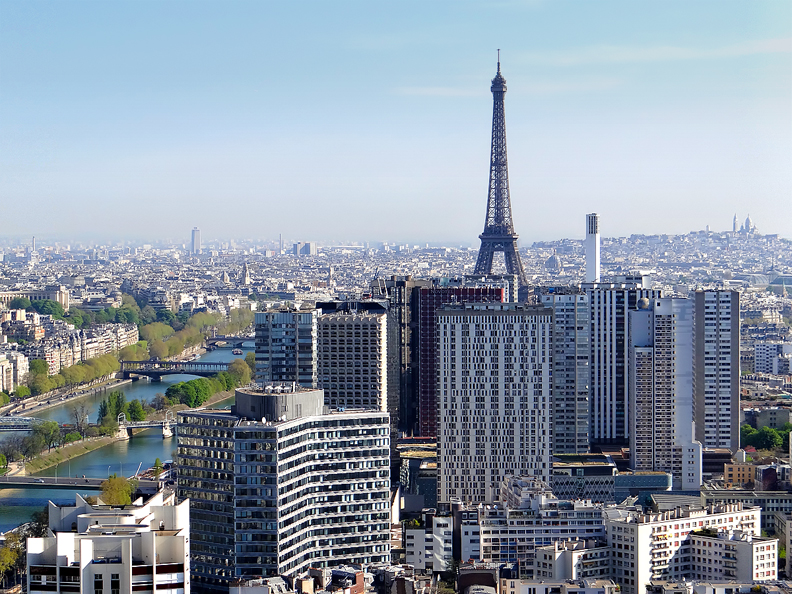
{"points": [[121, 457]]}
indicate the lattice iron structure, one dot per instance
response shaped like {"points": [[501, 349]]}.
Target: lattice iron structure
{"points": [[499, 235]]}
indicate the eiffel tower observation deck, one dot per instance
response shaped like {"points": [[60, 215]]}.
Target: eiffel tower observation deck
{"points": [[499, 235]]}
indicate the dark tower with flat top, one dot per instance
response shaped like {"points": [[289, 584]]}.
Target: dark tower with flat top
{"points": [[499, 235]]}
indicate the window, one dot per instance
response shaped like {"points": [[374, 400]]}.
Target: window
{"points": [[115, 584], [98, 586]]}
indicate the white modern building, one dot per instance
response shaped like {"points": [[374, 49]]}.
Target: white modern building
{"points": [[661, 391], [278, 485], [89, 549], [660, 546], [716, 404], [572, 560], [495, 397], [728, 555], [529, 516], [429, 546], [592, 247], [571, 369]]}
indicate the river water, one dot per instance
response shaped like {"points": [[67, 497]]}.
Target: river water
{"points": [[121, 457]]}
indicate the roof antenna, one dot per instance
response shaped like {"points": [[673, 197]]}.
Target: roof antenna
{"points": [[498, 61]]}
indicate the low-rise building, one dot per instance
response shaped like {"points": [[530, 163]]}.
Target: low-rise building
{"points": [[658, 546], [428, 543], [120, 548], [733, 555], [572, 560], [584, 586], [528, 516]]}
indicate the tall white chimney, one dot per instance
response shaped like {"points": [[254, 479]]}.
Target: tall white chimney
{"points": [[592, 248]]}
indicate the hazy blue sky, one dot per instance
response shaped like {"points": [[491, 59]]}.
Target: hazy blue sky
{"points": [[371, 120]]}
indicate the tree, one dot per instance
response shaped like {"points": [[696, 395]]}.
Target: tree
{"points": [[240, 371], [49, 431], [3, 461], [158, 350], [8, 558], [19, 303], [79, 414], [158, 468], [22, 392], [117, 491], [159, 402], [250, 359], [39, 523], [71, 437], [38, 367], [768, 439], [136, 412], [49, 307]]}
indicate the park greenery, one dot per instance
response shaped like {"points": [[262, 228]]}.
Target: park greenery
{"points": [[196, 392], [39, 380], [765, 438]]}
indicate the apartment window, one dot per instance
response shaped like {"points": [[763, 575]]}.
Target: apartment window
{"points": [[115, 584], [98, 586]]}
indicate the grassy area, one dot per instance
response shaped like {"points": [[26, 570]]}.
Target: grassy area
{"points": [[46, 460]]}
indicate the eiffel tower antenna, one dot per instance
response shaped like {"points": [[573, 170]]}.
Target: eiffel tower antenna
{"points": [[499, 235]]}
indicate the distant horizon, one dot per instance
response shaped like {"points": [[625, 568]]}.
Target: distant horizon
{"points": [[49, 241]]}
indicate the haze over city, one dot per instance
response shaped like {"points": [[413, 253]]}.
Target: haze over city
{"points": [[361, 121]]}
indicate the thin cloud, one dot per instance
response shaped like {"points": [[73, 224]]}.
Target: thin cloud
{"points": [[612, 54]]}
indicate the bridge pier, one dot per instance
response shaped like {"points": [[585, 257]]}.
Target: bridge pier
{"points": [[167, 431], [122, 433]]}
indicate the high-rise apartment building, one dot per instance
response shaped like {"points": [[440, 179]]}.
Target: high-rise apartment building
{"points": [[352, 354], [276, 485], [661, 391], [571, 370], [609, 305], [592, 247], [195, 245], [400, 291], [429, 300], [716, 404], [495, 392], [286, 346]]}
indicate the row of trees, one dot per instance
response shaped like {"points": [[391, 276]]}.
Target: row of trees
{"points": [[765, 438], [39, 380], [44, 435], [195, 392]]}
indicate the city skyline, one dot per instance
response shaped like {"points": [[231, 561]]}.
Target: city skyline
{"points": [[258, 109]]}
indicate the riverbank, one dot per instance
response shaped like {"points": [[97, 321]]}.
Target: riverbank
{"points": [[65, 453], [30, 409], [74, 450]]}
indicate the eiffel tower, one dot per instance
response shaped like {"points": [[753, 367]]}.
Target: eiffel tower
{"points": [[499, 235]]}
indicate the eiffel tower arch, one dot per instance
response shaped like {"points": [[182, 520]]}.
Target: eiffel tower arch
{"points": [[499, 235]]}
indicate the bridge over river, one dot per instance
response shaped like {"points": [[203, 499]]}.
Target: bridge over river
{"points": [[156, 369], [70, 483]]}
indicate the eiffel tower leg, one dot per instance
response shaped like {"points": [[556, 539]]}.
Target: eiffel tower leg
{"points": [[484, 262], [513, 263]]}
